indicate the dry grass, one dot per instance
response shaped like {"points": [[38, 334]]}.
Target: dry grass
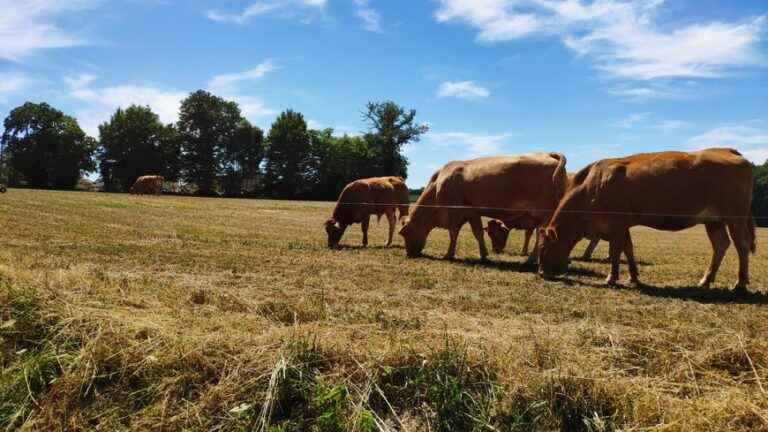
{"points": [[129, 313]]}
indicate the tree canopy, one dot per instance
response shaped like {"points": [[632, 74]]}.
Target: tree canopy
{"points": [[290, 164], [134, 143], [207, 124], [392, 127], [45, 148]]}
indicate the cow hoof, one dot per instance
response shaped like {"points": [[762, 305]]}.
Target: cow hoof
{"points": [[634, 283], [705, 283], [740, 289], [610, 281], [449, 257]]}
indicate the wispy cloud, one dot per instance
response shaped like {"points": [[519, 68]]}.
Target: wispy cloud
{"points": [[644, 121], [467, 90], [631, 120], [371, 17], [13, 82], [227, 80], [622, 38], [285, 8], [31, 25], [472, 144], [750, 138], [98, 104]]}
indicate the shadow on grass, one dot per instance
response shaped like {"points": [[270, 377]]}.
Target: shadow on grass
{"points": [[518, 267], [607, 260], [694, 293], [369, 247]]}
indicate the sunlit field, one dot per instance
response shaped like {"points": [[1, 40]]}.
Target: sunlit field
{"points": [[163, 313]]}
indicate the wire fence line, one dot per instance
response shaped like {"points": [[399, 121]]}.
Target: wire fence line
{"points": [[532, 210]]}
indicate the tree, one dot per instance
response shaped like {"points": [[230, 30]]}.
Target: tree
{"points": [[46, 148], [207, 124], [290, 166], [340, 160], [760, 194], [242, 159], [134, 143], [392, 128]]}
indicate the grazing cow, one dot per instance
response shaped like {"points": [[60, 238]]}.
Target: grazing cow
{"points": [[148, 185], [501, 187], [498, 231], [669, 191], [363, 198]]}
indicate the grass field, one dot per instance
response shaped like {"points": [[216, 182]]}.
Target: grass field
{"points": [[160, 313]]}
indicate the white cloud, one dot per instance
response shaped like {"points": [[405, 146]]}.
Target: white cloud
{"points": [[621, 37], [371, 17], [644, 93], [227, 80], [100, 103], [473, 144], [262, 8], [672, 125], [13, 82], [750, 138], [468, 90], [631, 120], [30, 25]]}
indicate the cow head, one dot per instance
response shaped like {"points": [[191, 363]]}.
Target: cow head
{"points": [[499, 235], [334, 231], [132, 190], [415, 239], [554, 250]]}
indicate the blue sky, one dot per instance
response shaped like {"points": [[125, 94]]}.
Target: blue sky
{"points": [[591, 79]]}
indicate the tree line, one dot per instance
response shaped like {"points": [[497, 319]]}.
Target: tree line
{"points": [[211, 150]]}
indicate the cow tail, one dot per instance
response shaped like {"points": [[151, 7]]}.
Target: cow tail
{"points": [[560, 178], [752, 234]]}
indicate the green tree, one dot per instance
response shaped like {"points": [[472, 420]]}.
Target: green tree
{"points": [[45, 147], [242, 159], [207, 124], [290, 165], [760, 194], [134, 143], [392, 127], [340, 160]]}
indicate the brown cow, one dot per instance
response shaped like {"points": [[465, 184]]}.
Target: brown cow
{"points": [[498, 231], [502, 187], [148, 185], [363, 198], [669, 191]]}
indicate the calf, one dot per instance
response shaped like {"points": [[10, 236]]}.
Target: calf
{"points": [[148, 185]]}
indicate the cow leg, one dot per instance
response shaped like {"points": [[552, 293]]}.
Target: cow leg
{"points": [[593, 242], [629, 252], [527, 242], [477, 228], [392, 223], [616, 247], [720, 243], [364, 226], [739, 230], [453, 232]]}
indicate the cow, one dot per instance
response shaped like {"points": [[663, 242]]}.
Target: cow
{"points": [[669, 191], [148, 185], [498, 231], [363, 198], [501, 187]]}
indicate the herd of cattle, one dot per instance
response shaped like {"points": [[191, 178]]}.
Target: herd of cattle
{"points": [[668, 191]]}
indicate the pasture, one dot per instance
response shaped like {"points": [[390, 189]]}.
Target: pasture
{"points": [[120, 312]]}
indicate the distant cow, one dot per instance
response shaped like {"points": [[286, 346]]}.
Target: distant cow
{"points": [[148, 185], [498, 231], [502, 187], [363, 198], [669, 191]]}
